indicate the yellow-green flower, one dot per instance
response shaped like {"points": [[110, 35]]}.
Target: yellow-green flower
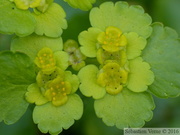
{"points": [[76, 58], [117, 44], [53, 83], [116, 39], [54, 92], [81, 4]]}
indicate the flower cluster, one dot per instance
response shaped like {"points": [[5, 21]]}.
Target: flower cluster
{"points": [[120, 63], [117, 44], [53, 83]]}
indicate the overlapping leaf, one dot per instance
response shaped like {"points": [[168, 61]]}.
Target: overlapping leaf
{"points": [[163, 55], [16, 73]]}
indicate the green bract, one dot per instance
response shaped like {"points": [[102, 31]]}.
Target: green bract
{"points": [[81, 4], [51, 22], [16, 73], [53, 119], [117, 37], [35, 43], [14, 20]]}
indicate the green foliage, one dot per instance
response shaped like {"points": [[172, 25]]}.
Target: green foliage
{"points": [[140, 75], [53, 119], [16, 73], [121, 15], [130, 60], [35, 43], [89, 86], [127, 109], [45, 25], [162, 53], [11, 17]]}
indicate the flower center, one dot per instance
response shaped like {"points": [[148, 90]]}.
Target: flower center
{"points": [[46, 61], [57, 91], [112, 39], [42, 78], [120, 57], [113, 77]]}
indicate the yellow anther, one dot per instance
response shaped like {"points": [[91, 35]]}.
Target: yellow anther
{"points": [[54, 93], [112, 39], [48, 65], [54, 98], [57, 86], [112, 77], [64, 94], [51, 88], [62, 83], [44, 54], [41, 61], [40, 58], [63, 89]]}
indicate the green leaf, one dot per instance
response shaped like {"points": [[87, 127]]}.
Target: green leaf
{"points": [[163, 55], [135, 44], [73, 79], [127, 109], [88, 40], [62, 59], [32, 44], [16, 73], [88, 79], [121, 15], [140, 75], [51, 22], [34, 95], [14, 20], [52, 119], [82, 4]]}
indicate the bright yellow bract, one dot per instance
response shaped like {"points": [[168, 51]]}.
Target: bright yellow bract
{"points": [[113, 77], [112, 39]]}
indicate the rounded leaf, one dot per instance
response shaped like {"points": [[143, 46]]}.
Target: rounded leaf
{"points": [[88, 41], [121, 15], [51, 22], [61, 58], [32, 44], [88, 79], [135, 45], [81, 4], [127, 109], [34, 95], [16, 74], [163, 54], [14, 20], [73, 80], [53, 119], [140, 75]]}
